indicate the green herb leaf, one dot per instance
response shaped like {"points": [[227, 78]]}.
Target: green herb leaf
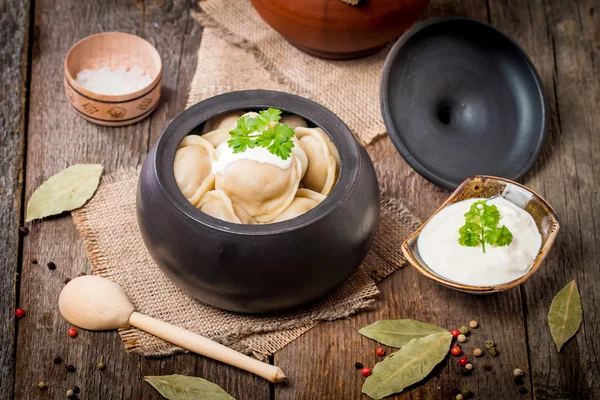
{"points": [[398, 332], [564, 316], [409, 365], [67, 190], [265, 131], [480, 227], [181, 387]]}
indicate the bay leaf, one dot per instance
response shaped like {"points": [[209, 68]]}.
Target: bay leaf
{"points": [[182, 387], [67, 190], [398, 332], [564, 316], [409, 365]]}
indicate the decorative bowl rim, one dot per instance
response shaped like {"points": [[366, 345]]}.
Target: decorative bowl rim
{"points": [[103, 98], [543, 252], [194, 116]]}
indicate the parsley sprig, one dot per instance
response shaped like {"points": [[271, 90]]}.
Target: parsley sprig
{"points": [[481, 227], [264, 130]]}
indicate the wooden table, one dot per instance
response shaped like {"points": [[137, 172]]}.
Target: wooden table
{"points": [[40, 135]]}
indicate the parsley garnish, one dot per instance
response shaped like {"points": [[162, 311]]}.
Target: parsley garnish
{"points": [[264, 130], [480, 227]]}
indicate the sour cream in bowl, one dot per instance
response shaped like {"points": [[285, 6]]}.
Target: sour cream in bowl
{"points": [[499, 250]]}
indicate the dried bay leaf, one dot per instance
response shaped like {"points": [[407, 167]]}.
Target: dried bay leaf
{"points": [[564, 316], [409, 365], [67, 190], [398, 332], [182, 387]]}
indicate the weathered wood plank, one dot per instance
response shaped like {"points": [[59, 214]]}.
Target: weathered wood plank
{"points": [[568, 177], [322, 361], [14, 36]]}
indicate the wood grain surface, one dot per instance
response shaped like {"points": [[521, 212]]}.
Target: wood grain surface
{"points": [[561, 38]]}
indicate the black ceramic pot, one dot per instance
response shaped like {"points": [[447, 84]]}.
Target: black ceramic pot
{"points": [[258, 268]]}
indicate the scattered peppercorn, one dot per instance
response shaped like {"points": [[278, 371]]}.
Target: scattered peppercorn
{"points": [[518, 380], [487, 367], [464, 330], [523, 390], [494, 352], [518, 372], [70, 368], [81, 274], [51, 266], [70, 393], [23, 230], [463, 361], [101, 366], [455, 333], [19, 313], [380, 352], [489, 344], [461, 338], [456, 351], [72, 332], [34, 261], [76, 389], [42, 385], [357, 365], [57, 360], [473, 324], [466, 392], [477, 352], [67, 280], [459, 397], [366, 372], [469, 367]]}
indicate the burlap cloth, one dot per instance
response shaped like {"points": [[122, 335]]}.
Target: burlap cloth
{"points": [[239, 51]]}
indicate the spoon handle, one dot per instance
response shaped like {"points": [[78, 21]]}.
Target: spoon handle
{"points": [[206, 347]]}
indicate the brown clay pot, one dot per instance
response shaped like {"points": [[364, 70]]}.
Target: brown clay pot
{"points": [[336, 30]]}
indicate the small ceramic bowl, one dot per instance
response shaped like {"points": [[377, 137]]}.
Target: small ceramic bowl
{"points": [[258, 268], [113, 50], [485, 187]]}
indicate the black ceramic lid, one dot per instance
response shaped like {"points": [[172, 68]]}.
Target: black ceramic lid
{"points": [[459, 98]]}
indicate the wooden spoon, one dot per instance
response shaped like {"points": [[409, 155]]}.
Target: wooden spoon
{"points": [[98, 304]]}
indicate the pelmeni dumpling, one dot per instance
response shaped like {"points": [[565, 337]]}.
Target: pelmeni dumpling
{"points": [[300, 154], [323, 159], [192, 167], [217, 136], [293, 121], [304, 201], [216, 204], [264, 190], [223, 121]]}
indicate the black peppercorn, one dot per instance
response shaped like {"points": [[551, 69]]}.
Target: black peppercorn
{"points": [[487, 367], [51, 266], [70, 368], [76, 389], [358, 365], [523, 390], [23, 230], [67, 280], [518, 380], [57, 360], [34, 261]]}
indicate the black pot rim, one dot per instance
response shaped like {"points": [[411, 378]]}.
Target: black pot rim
{"points": [[199, 113], [395, 137]]}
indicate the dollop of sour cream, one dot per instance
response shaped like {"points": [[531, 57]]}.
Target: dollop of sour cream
{"points": [[439, 248], [226, 156]]}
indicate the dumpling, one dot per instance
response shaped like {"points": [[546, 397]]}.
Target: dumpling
{"points": [[217, 136], [193, 167], [300, 154], [221, 121], [264, 190], [293, 121], [323, 159], [304, 201], [216, 204]]}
